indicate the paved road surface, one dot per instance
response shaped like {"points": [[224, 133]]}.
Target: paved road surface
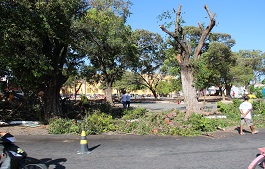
{"points": [[225, 150], [167, 105]]}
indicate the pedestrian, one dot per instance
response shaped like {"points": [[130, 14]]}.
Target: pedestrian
{"points": [[123, 99], [128, 100], [245, 109]]}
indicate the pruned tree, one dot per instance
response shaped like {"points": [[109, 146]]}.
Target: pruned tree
{"points": [[186, 56]]}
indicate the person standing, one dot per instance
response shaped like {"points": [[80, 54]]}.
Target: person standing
{"points": [[123, 99], [245, 109], [128, 100]]}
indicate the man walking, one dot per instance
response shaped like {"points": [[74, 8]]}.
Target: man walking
{"points": [[245, 109], [123, 99], [128, 100]]}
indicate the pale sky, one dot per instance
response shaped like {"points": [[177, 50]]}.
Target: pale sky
{"points": [[242, 19]]}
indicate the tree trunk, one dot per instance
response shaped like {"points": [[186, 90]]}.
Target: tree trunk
{"points": [[108, 92], [56, 52], [189, 91], [51, 101], [154, 93], [228, 90], [223, 93]]}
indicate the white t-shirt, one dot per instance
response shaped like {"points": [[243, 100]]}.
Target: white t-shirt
{"points": [[245, 106]]}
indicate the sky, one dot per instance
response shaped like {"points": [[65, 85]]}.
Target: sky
{"points": [[242, 19]]}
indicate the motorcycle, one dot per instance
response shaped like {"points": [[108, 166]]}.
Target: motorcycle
{"points": [[13, 157]]}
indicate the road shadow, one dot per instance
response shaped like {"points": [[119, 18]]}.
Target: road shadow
{"points": [[238, 130], [57, 162], [92, 148]]}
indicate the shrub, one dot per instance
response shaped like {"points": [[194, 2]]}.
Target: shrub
{"points": [[259, 107], [63, 126], [196, 124], [133, 113], [97, 123], [230, 110]]}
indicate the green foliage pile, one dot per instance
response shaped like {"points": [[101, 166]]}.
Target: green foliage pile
{"points": [[143, 122], [63, 126], [97, 123], [230, 110], [138, 121]]}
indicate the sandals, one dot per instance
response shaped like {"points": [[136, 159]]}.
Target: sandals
{"points": [[254, 132]]}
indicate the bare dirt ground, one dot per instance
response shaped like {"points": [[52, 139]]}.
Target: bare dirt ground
{"points": [[25, 130]]}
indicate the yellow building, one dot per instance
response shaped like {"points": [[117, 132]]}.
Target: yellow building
{"points": [[84, 88]]}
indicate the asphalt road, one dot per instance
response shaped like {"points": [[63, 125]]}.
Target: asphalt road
{"points": [[222, 150], [168, 105]]}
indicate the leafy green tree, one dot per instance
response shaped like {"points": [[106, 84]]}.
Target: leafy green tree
{"points": [[171, 68], [242, 73], [129, 82], [106, 40], [249, 67], [202, 75], [255, 60], [170, 65], [150, 58], [35, 46], [220, 60], [166, 87]]}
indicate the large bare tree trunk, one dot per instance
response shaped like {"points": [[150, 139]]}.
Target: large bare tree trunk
{"points": [[184, 54], [189, 91]]}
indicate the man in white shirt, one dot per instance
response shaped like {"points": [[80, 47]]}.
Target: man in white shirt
{"points": [[245, 109]]}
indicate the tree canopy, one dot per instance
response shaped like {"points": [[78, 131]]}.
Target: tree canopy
{"points": [[106, 41], [150, 55]]}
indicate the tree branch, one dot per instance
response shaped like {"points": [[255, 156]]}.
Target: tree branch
{"points": [[200, 26], [205, 32], [178, 35], [177, 26]]}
